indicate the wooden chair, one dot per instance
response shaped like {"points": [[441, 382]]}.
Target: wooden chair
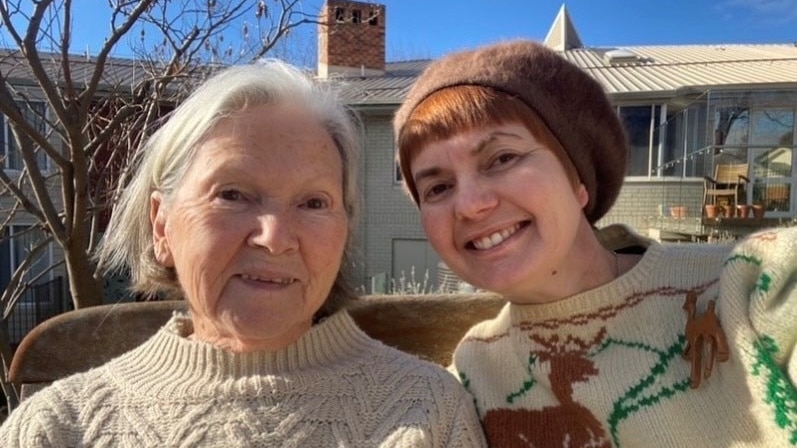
{"points": [[727, 182], [428, 326]]}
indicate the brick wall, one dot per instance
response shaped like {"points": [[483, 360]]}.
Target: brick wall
{"points": [[352, 35], [642, 201]]}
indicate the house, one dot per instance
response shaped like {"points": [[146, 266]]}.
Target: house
{"points": [[45, 286], [687, 110]]}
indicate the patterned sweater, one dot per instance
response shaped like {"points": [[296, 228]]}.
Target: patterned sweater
{"points": [[333, 387], [611, 367]]}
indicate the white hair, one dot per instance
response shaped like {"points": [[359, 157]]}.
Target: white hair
{"points": [[165, 157]]}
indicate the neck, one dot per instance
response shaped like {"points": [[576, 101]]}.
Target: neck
{"points": [[217, 335], [586, 266]]}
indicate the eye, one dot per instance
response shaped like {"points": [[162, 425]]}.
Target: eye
{"points": [[315, 203], [231, 195], [434, 191], [504, 159]]}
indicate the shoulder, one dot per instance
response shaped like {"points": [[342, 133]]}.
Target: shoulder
{"points": [[485, 343], [764, 264], [769, 246], [768, 259], [50, 417], [420, 371]]}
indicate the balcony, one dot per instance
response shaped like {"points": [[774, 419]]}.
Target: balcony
{"points": [[768, 187]]}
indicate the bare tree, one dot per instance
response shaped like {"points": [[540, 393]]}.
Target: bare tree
{"points": [[73, 120]]}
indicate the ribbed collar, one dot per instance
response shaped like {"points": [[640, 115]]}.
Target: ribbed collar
{"points": [[607, 295], [171, 366]]}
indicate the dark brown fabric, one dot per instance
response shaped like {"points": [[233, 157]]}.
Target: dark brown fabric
{"points": [[571, 103]]}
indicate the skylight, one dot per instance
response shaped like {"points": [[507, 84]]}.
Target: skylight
{"points": [[620, 56]]}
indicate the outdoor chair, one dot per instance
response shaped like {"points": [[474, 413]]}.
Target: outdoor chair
{"points": [[727, 182], [428, 326]]}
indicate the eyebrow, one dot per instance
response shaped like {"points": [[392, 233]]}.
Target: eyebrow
{"points": [[483, 143]]}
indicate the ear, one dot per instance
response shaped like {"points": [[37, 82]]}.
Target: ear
{"points": [[157, 219], [582, 195]]}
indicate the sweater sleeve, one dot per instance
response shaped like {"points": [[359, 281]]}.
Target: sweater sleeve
{"points": [[466, 429], [760, 277], [40, 421]]}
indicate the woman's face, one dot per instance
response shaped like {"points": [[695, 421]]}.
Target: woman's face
{"points": [[499, 209], [257, 228]]}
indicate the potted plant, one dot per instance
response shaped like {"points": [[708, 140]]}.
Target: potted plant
{"points": [[678, 212], [743, 210], [758, 210], [710, 211]]}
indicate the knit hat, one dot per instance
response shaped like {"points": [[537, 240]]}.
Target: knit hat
{"points": [[571, 103]]}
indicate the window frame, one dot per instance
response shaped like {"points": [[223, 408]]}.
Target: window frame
{"points": [[8, 138]]}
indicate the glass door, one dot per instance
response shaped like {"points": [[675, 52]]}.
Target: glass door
{"points": [[771, 159]]}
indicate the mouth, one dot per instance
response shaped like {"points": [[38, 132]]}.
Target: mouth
{"points": [[271, 280], [495, 238]]}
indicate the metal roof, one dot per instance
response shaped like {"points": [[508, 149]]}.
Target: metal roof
{"points": [[657, 72], [118, 74]]}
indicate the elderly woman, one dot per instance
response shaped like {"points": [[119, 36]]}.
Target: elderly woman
{"points": [[243, 203], [512, 155]]}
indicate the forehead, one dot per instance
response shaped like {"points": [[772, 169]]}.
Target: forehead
{"points": [[279, 139]]}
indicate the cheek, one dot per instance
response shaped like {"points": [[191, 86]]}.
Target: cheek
{"points": [[437, 228], [203, 246], [199, 233], [323, 247]]}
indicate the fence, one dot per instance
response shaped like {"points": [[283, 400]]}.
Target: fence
{"points": [[39, 303]]}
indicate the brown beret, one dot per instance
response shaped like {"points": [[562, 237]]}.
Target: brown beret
{"points": [[571, 103]]}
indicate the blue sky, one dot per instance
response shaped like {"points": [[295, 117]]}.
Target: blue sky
{"points": [[431, 28], [419, 29]]}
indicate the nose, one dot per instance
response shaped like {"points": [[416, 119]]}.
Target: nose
{"points": [[274, 233], [474, 200]]}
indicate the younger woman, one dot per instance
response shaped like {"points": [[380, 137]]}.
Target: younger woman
{"points": [[512, 154]]}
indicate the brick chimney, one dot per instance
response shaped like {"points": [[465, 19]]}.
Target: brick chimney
{"points": [[351, 39]]}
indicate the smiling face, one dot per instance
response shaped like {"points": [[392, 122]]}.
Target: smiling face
{"points": [[257, 228], [499, 208]]}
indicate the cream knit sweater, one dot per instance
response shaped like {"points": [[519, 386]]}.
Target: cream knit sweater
{"points": [[606, 367], [335, 387]]}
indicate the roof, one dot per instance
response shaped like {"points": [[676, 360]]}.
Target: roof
{"points": [[634, 72], [16, 70], [118, 73], [390, 88], [563, 35]]}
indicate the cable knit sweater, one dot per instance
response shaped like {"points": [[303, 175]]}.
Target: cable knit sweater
{"points": [[333, 387], [607, 367]]}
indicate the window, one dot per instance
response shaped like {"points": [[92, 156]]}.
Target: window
{"points": [[14, 250], [398, 178], [340, 15], [759, 132], [373, 20], [772, 154], [731, 126], [641, 125], [772, 127], [34, 113], [356, 16]]}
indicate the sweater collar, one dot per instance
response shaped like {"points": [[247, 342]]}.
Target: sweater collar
{"points": [[606, 295], [169, 363]]}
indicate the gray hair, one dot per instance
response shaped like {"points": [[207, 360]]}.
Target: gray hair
{"points": [[166, 156]]}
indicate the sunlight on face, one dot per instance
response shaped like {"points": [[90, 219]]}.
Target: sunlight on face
{"points": [[257, 228], [498, 208]]}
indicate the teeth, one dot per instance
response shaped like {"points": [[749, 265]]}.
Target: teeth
{"points": [[495, 239], [281, 281]]}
